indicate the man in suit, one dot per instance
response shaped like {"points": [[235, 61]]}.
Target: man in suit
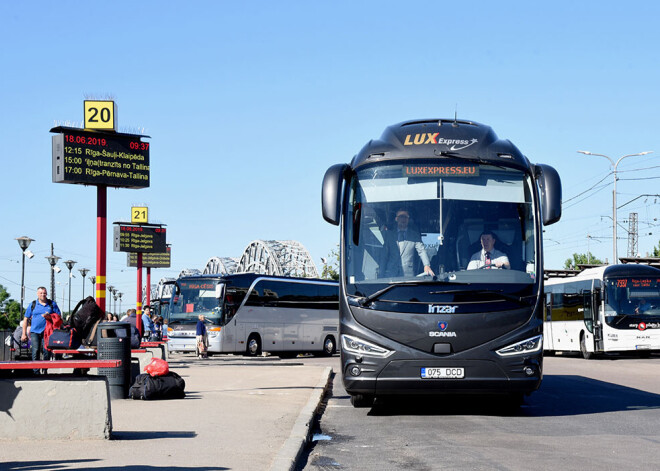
{"points": [[409, 242], [488, 256]]}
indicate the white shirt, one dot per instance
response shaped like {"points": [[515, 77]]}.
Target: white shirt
{"points": [[478, 260]]}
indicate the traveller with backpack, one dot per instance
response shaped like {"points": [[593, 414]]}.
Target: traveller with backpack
{"points": [[44, 316]]}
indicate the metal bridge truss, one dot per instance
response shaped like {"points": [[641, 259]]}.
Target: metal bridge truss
{"points": [[277, 257], [222, 265]]}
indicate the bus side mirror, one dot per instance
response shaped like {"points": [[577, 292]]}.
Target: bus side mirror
{"points": [[220, 291], [333, 182], [550, 185]]}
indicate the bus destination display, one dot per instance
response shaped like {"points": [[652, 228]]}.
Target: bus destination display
{"points": [[100, 158], [145, 239], [151, 260]]}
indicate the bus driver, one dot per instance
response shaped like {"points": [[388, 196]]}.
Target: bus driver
{"points": [[488, 256]]}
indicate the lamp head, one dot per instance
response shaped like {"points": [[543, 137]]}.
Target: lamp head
{"points": [[24, 242], [69, 264]]}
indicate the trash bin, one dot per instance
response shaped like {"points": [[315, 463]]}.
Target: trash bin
{"points": [[114, 343]]}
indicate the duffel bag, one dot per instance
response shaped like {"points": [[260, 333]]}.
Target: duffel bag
{"points": [[149, 388], [64, 339]]}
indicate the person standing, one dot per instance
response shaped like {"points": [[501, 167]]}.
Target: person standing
{"points": [[45, 316], [202, 339], [409, 243], [147, 323]]}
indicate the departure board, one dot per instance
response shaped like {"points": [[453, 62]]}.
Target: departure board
{"points": [[151, 260], [100, 158], [139, 238]]}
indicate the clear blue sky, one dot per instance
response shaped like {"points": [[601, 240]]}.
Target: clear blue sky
{"points": [[248, 103]]}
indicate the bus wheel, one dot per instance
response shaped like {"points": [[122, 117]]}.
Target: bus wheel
{"points": [[583, 348], [329, 346], [362, 400], [253, 345]]}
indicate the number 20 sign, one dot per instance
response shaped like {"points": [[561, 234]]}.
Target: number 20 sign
{"points": [[100, 114]]}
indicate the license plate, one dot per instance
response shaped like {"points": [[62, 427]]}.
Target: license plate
{"points": [[445, 372]]}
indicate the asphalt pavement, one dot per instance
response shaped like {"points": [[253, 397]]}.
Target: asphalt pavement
{"points": [[239, 413]]}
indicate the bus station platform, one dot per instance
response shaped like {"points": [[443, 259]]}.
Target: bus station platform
{"points": [[239, 413]]}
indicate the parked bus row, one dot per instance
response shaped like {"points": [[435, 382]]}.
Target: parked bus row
{"points": [[250, 313]]}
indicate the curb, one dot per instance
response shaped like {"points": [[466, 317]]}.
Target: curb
{"points": [[287, 458]]}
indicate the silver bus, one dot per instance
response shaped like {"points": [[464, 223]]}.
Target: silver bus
{"points": [[423, 308], [609, 309], [251, 313]]}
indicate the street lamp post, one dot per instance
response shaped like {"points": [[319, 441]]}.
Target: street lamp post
{"points": [[24, 243], [69, 264], [93, 280], [110, 288], [120, 295], [113, 292], [615, 165], [52, 259], [83, 273]]}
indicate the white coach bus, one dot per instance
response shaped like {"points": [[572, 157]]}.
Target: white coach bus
{"points": [[607, 309], [250, 313]]}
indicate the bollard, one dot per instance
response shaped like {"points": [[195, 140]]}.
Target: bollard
{"points": [[114, 343]]}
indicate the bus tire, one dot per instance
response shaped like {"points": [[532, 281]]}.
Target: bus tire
{"points": [[253, 348], [329, 346], [583, 348], [362, 400]]}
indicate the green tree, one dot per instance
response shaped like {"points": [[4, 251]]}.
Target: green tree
{"points": [[656, 250], [10, 310], [581, 259], [331, 265]]}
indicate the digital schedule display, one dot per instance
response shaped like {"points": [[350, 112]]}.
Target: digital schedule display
{"points": [[100, 158], [151, 260], [145, 239]]}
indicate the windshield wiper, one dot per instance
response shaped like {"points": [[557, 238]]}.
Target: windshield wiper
{"points": [[479, 160], [508, 297], [372, 297]]}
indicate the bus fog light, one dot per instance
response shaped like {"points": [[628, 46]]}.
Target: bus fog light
{"points": [[529, 371], [354, 371]]}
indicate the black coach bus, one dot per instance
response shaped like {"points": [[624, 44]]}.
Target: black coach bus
{"points": [[441, 262]]}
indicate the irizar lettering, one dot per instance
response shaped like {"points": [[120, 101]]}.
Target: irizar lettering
{"points": [[438, 309]]}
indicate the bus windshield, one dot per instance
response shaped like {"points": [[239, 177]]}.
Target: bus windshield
{"points": [[631, 301], [405, 216], [195, 297]]}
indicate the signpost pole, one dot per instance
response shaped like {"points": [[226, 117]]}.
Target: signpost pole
{"points": [[148, 293], [101, 242], [138, 321]]}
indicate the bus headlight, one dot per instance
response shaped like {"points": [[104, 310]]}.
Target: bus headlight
{"points": [[362, 347], [526, 346]]}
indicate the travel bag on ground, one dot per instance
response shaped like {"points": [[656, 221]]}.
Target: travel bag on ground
{"points": [[64, 339], [147, 387]]}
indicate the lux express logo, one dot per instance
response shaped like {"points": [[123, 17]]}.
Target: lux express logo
{"points": [[646, 325], [432, 138]]}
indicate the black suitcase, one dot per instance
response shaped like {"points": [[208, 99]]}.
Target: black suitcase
{"points": [[149, 388]]}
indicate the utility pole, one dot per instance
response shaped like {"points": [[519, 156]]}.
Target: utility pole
{"points": [[632, 235]]}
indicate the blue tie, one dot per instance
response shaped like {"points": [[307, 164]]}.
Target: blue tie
{"points": [[402, 235]]}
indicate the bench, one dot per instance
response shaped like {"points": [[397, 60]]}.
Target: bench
{"points": [[153, 344], [62, 351], [47, 364]]}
